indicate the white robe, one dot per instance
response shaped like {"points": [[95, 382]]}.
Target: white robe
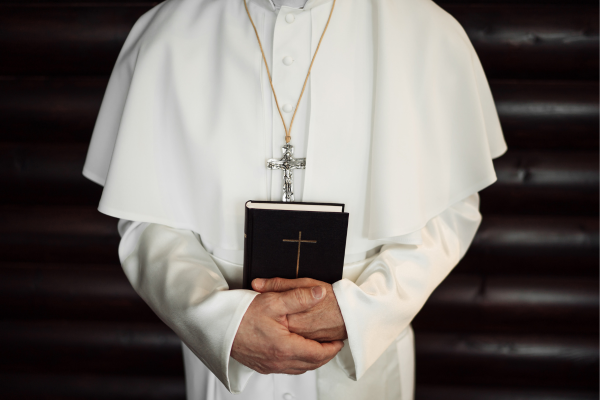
{"points": [[378, 297], [402, 130]]}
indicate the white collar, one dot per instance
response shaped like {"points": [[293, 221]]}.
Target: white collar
{"points": [[269, 5]]}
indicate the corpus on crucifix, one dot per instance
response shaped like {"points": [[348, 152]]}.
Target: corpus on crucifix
{"points": [[287, 164]]}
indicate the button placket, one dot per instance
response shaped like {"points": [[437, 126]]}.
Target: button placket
{"points": [[291, 59]]}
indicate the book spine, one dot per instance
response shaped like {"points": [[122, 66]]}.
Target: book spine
{"points": [[246, 284]]}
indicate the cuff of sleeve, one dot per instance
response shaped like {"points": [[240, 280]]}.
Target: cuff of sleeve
{"points": [[233, 303], [367, 338], [237, 374]]}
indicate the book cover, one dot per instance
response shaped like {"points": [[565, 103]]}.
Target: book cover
{"points": [[294, 240]]}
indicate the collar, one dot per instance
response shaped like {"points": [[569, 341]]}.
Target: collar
{"points": [[268, 4]]}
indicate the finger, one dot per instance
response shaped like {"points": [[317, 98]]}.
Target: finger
{"points": [[281, 284], [318, 353], [296, 355], [297, 300], [301, 349]]}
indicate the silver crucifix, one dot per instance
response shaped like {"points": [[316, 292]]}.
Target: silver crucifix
{"points": [[287, 164]]}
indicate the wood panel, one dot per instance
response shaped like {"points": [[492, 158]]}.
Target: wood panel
{"points": [[548, 114], [532, 360], [475, 303], [536, 246], [90, 347], [544, 182], [559, 42], [90, 387], [498, 393]]}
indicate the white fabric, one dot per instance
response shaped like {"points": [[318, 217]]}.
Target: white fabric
{"points": [[402, 122], [378, 298], [289, 3]]}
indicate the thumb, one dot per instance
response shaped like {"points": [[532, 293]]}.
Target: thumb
{"points": [[298, 300]]}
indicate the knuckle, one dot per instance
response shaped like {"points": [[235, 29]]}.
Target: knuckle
{"points": [[316, 358], [280, 353], [262, 370], [298, 371], [277, 283], [274, 367], [300, 296]]}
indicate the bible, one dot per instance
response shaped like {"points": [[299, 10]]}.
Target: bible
{"points": [[294, 240]]}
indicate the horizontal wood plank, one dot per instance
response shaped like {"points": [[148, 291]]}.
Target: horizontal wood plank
{"points": [[544, 183], [521, 41], [424, 392], [39, 291], [534, 246], [57, 234], [90, 387], [507, 360], [91, 347], [532, 42], [472, 303], [548, 114], [48, 40]]}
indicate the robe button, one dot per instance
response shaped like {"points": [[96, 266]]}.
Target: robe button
{"points": [[290, 18], [288, 396], [287, 60], [287, 108]]}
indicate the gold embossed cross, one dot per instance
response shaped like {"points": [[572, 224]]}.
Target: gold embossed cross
{"points": [[300, 241]]}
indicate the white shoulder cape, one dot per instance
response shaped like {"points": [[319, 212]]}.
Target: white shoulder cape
{"points": [[402, 126]]}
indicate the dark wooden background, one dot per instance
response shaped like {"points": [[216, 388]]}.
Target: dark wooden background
{"points": [[517, 319]]}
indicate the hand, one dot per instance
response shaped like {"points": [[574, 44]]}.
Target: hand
{"points": [[323, 322], [264, 343]]}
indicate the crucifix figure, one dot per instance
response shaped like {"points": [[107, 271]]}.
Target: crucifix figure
{"points": [[287, 164], [300, 241]]}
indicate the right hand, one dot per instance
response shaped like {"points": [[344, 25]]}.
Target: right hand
{"points": [[264, 343]]}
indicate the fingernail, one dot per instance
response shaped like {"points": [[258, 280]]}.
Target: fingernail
{"points": [[317, 292], [259, 283]]}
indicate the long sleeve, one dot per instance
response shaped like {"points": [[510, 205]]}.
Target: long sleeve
{"points": [[170, 269], [395, 285]]}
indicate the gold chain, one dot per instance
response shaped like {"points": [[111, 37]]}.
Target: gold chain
{"points": [[288, 131]]}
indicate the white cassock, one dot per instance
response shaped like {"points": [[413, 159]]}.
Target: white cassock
{"points": [[398, 123]]}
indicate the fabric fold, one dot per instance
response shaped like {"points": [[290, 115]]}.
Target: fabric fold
{"points": [[393, 288], [180, 282], [176, 143]]}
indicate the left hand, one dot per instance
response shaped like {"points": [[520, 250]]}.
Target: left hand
{"points": [[323, 322]]}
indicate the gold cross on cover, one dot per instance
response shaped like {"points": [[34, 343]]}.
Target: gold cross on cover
{"points": [[300, 241]]}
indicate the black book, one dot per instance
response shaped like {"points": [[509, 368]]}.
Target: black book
{"points": [[294, 240]]}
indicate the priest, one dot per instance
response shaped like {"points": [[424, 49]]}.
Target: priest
{"points": [[393, 114]]}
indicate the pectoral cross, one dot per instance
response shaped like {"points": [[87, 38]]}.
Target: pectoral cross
{"points": [[300, 241], [287, 164]]}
